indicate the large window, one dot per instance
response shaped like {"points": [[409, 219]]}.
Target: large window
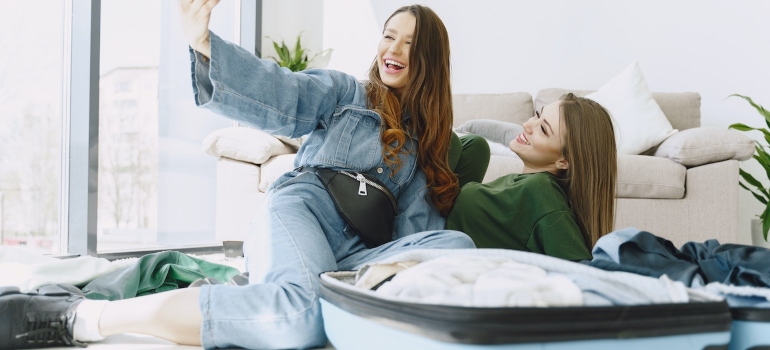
{"points": [[150, 185], [156, 186], [31, 71]]}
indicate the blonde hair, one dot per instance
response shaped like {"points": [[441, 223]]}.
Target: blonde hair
{"points": [[428, 99], [591, 152]]}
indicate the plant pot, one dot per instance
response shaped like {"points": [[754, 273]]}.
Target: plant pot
{"points": [[757, 239]]}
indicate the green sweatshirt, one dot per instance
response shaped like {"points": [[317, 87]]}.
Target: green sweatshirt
{"points": [[528, 212]]}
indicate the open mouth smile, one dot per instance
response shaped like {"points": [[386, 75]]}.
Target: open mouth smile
{"points": [[522, 139], [393, 66]]}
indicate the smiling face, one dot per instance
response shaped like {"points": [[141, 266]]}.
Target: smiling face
{"points": [[540, 145], [393, 51]]}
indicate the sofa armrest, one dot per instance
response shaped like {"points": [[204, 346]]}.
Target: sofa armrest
{"points": [[704, 145], [245, 144]]}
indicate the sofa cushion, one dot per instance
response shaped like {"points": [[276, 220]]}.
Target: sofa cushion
{"points": [[274, 168], [650, 177], [501, 166], [698, 146], [681, 108], [638, 176], [244, 144], [510, 107]]}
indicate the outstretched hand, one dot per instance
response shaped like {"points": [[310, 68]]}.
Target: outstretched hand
{"points": [[195, 23]]}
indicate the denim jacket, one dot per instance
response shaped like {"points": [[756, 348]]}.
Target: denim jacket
{"points": [[328, 106]]}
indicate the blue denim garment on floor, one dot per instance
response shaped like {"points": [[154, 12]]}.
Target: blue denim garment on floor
{"points": [[694, 264]]}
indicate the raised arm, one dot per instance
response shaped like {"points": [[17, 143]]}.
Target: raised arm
{"points": [[195, 23]]}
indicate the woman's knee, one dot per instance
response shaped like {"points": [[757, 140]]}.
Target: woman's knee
{"points": [[475, 146], [455, 151], [460, 240], [448, 239]]}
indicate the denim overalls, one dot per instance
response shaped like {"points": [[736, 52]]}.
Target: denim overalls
{"points": [[299, 233]]}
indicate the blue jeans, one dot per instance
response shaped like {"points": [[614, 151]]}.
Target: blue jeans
{"points": [[298, 236]]}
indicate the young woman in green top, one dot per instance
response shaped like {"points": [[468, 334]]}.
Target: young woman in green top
{"points": [[563, 201]]}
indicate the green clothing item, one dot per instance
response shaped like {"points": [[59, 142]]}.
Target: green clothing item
{"points": [[155, 273], [528, 212], [469, 157]]}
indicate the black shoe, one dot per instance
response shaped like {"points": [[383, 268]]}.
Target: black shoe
{"points": [[42, 319]]}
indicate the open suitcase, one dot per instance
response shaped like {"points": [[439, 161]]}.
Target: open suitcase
{"points": [[356, 318], [359, 320], [750, 328]]}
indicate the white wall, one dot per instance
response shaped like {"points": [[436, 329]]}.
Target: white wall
{"points": [[715, 48]]}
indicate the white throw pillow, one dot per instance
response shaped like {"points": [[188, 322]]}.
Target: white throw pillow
{"points": [[244, 144], [492, 130], [639, 122]]}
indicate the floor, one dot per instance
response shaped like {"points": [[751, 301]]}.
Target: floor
{"points": [[134, 342], [139, 342]]}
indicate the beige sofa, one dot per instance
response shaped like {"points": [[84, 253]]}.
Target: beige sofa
{"points": [[686, 189]]}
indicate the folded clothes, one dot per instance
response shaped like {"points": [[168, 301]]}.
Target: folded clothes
{"points": [[482, 282], [499, 278]]}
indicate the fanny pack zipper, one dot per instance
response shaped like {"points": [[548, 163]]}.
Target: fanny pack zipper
{"points": [[364, 181]]}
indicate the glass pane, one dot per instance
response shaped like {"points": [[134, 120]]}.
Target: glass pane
{"points": [[31, 71], [156, 185]]}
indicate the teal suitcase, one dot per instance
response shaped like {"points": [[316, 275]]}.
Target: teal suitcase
{"points": [[750, 329], [359, 319]]}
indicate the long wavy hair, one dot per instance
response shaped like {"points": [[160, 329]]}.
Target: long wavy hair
{"points": [[591, 152], [428, 100]]}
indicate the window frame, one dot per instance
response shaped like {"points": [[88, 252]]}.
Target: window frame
{"points": [[80, 131]]}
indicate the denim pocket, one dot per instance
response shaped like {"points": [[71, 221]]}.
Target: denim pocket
{"points": [[351, 140], [288, 179]]}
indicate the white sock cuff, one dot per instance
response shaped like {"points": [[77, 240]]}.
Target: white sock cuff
{"points": [[87, 317]]}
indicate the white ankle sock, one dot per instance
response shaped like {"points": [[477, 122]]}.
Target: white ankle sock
{"points": [[87, 317]]}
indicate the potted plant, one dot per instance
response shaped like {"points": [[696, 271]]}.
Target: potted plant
{"points": [[761, 154], [296, 60]]}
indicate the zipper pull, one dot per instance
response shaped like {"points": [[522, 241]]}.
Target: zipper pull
{"points": [[362, 185]]}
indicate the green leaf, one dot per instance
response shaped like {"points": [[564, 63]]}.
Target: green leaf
{"points": [[764, 160], [277, 48], [743, 127], [285, 53], [752, 181], [297, 57], [765, 222], [758, 107], [739, 127], [756, 195], [762, 156], [298, 46]]}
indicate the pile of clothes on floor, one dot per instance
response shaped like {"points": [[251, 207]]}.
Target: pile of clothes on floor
{"points": [[101, 279]]}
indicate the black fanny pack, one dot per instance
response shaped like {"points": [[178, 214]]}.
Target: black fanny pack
{"points": [[363, 201]]}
